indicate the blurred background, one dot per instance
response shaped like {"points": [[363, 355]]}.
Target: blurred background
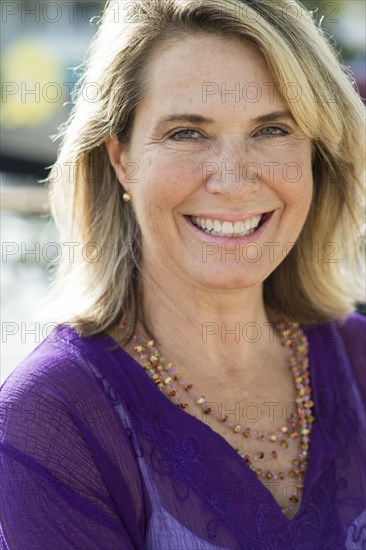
{"points": [[42, 43]]}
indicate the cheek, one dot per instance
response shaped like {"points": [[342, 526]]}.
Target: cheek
{"points": [[166, 184], [296, 187], [289, 174], [286, 161]]}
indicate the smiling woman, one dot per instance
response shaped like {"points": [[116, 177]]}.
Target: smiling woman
{"points": [[203, 388], [237, 140]]}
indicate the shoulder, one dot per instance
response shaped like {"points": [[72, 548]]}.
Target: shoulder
{"points": [[53, 403], [353, 326], [54, 363], [57, 380], [352, 332], [343, 343], [349, 331], [73, 379]]}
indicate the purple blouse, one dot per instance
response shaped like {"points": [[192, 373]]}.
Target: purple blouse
{"points": [[94, 456]]}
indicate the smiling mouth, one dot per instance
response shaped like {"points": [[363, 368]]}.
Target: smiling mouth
{"points": [[229, 229]]}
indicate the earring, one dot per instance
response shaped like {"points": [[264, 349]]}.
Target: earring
{"points": [[127, 197]]}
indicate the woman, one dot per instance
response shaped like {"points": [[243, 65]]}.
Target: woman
{"points": [[212, 235]]}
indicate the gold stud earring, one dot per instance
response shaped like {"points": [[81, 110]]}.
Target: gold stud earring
{"points": [[127, 197]]}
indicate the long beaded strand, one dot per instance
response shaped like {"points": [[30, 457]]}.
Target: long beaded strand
{"points": [[299, 424]]}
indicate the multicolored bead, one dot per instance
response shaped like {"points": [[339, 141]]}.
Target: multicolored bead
{"points": [[299, 424]]}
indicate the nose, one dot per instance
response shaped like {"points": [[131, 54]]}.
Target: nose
{"points": [[232, 173]]}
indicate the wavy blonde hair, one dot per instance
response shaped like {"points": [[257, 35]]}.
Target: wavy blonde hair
{"points": [[99, 286]]}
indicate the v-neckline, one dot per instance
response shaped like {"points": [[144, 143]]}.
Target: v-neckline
{"points": [[317, 432]]}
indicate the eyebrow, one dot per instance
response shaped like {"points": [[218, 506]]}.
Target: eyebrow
{"points": [[199, 119], [193, 118], [273, 117]]}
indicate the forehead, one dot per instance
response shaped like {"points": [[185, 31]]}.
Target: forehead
{"points": [[208, 71]]}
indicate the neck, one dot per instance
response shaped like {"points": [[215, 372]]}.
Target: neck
{"points": [[224, 329]]}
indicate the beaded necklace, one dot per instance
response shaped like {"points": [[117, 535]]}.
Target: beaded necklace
{"points": [[298, 425]]}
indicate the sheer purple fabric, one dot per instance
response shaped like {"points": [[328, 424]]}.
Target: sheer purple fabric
{"points": [[94, 456]]}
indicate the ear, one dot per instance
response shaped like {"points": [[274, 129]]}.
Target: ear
{"points": [[117, 158]]}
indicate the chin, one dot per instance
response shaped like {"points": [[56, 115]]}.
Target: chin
{"points": [[227, 278]]}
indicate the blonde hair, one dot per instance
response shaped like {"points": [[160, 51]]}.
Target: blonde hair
{"points": [[311, 284]]}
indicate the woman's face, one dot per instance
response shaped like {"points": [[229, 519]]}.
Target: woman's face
{"points": [[214, 140]]}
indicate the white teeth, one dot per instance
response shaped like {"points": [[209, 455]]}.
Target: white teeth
{"points": [[226, 228], [217, 226], [239, 227]]}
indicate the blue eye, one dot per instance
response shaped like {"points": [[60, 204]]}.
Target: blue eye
{"points": [[273, 131], [184, 135]]}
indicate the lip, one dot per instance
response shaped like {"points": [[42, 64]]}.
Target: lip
{"points": [[215, 239]]}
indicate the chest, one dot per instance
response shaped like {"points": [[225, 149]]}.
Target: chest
{"points": [[266, 408]]}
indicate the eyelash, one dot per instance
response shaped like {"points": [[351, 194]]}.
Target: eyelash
{"points": [[285, 132], [172, 136]]}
